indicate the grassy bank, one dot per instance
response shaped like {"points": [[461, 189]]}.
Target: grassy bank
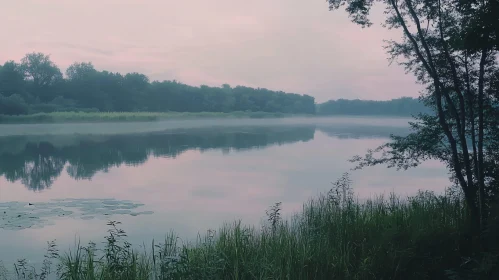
{"points": [[61, 117], [333, 237]]}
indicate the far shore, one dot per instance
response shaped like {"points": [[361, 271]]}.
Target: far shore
{"points": [[103, 117], [88, 123]]}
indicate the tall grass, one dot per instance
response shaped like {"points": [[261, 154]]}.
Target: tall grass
{"points": [[334, 237], [56, 117]]}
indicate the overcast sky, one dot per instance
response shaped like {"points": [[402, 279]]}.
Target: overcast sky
{"points": [[290, 45]]}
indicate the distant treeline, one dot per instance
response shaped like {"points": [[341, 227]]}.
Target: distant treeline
{"points": [[37, 85], [405, 106]]}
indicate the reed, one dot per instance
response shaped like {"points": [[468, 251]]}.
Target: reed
{"points": [[335, 236]]}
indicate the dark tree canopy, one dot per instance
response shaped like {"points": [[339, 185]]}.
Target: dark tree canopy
{"points": [[451, 46], [405, 106], [37, 85]]}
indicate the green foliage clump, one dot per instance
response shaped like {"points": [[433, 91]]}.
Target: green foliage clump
{"points": [[13, 105], [45, 90], [405, 106]]}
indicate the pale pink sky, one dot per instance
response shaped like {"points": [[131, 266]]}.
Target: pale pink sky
{"points": [[290, 45]]}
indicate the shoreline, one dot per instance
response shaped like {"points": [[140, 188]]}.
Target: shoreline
{"points": [[103, 117], [126, 117], [334, 235], [107, 128]]}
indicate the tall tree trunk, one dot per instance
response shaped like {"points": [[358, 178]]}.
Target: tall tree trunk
{"points": [[469, 189], [461, 115], [472, 118], [481, 172]]}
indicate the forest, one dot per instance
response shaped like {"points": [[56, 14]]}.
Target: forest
{"points": [[37, 85], [404, 106]]}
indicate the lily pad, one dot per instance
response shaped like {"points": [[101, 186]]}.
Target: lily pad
{"points": [[17, 215]]}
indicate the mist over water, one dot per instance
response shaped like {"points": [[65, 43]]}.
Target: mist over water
{"points": [[193, 175], [140, 127]]}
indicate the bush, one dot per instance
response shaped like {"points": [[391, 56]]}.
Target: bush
{"points": [[13, 105], [43, 108]]}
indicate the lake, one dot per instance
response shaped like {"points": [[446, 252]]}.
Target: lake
{"points": [[65, 181]]}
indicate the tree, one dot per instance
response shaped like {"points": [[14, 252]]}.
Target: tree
{"points": [[43, 73], [404, 106], [80, 71], [136, 81], [11, 79], [43, 88], [136, 85], [13, 105], [83, 85], [451, 47]]}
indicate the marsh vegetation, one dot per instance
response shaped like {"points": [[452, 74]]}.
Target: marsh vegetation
{"points": [[335, 236]]}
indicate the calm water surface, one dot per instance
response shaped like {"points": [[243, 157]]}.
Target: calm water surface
{"points": [[193, 175]]}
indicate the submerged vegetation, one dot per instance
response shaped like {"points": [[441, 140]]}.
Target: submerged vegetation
{"points": [[334, 237]]}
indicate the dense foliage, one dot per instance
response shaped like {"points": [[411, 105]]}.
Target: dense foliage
{"points": [[405, 106], [452, 48], [36, 85]]}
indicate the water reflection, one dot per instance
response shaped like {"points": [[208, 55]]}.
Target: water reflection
{"points": [[359, 131], [37, 161], [191, 179]]}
